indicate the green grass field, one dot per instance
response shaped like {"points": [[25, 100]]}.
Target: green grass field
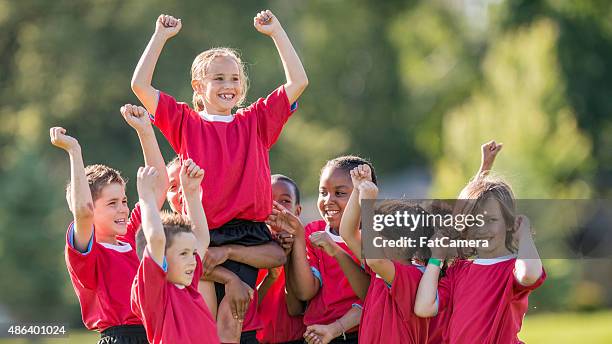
{"points": [[592, 328]]}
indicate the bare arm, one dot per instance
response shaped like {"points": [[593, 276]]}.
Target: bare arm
{"points": [[238, 293], [357, 277], [299, 277], [165, 28], [489, 151], [265, 256], [316, 334], [137, 118], [191, 176], [295, 307], [266, 23], [349, 225], [528, 265], [425, 304], [151, 222], [267, 283], [81, 203]]}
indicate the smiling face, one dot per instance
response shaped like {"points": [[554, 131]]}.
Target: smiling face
{"points": [[494, 230], [221, 87], [181, 259], [174, 195], [335, 187], [111, 212]]}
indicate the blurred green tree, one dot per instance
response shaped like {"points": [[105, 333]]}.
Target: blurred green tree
{"points": [[520, 103]]}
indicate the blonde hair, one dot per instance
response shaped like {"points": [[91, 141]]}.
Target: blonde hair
{"points": [[200, 65], [485, 187]]}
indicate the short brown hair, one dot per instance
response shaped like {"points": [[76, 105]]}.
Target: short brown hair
{"points": [[393, 206], [99, 176], [174, 224]]}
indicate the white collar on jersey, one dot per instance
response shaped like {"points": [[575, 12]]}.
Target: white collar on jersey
{"points": [[216, 118], [122, 247], [334, 237], [491, 261]]}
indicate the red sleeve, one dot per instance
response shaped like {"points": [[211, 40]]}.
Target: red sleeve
{"points": [[82, 265], [133, 226], [272, 113], [149, 292], [197, 273], [170, 117], [518, 288], [446, 284], [404, 287]]}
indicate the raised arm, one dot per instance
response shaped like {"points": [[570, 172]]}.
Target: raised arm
{"points": [[151, 222], [426, 304], [138, 118], [266, 23], [165, 27], [191, 176], [489, 151], [80, 201], [349, 225], [351, 218], [528, 265]]}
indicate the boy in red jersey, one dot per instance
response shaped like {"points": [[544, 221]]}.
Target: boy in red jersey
{"points": [[279, 311], [165, 291], [100, 242]]}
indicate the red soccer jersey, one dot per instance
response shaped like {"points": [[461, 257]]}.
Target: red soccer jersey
{"points": [[388, 315], [278, 325], [486, 301], [102, 277], [252, 319], [335, 297], [233, 150], [171, 314]]}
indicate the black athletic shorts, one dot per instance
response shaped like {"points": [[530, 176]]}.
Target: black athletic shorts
{"points": [[125, 334], [241, 232]]}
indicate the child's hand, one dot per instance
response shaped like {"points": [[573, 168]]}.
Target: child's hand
{"points": [[167, 26], [191, 177], [367, 190], [283, 220], [321, 334], [360, 174], [214, 256], [61, 140], [146, 181], [522, 227], [136, 116], [266, 23], [489, 152], [324, 241], [285, 240], [239, 296], [274, 273]]}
